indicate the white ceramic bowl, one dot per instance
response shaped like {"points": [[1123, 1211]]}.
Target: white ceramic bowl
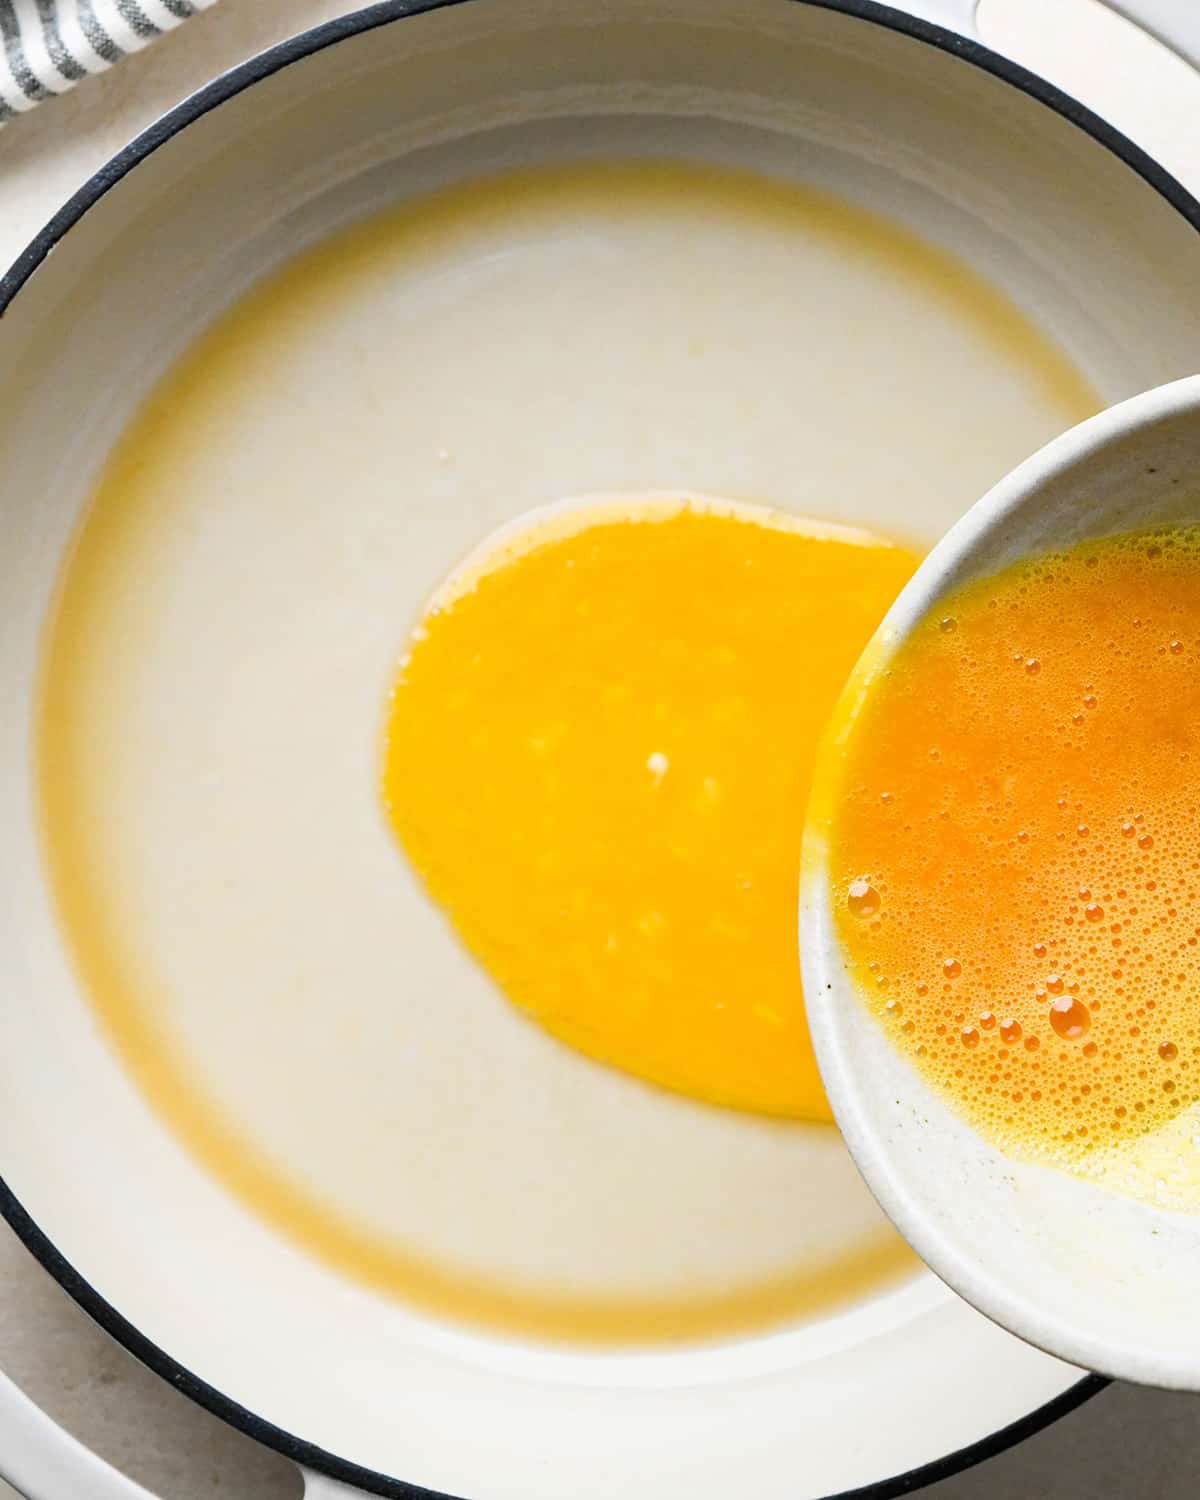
{"points": [[1091, 1275]]}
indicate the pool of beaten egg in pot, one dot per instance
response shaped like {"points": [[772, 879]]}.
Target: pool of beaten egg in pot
{"points": [[643, 789]]}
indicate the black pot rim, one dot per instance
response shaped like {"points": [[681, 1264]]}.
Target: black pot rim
{"points": [[225, 87]]}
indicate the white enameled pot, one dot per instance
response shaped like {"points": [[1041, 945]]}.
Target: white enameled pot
{"points": [[905, 112]]}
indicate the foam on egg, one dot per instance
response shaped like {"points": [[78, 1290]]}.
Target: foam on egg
{"points": [[1014, 846]]}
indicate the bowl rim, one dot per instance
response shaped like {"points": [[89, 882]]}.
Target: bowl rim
{"points": [[224, 87]]}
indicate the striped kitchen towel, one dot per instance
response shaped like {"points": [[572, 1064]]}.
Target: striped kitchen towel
{"points": [[47, 46]]}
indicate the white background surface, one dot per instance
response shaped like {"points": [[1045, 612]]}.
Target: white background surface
{"points": [[1125, 1444]]}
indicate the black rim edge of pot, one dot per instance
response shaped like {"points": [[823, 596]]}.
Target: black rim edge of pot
{"points": [[226, 86]]}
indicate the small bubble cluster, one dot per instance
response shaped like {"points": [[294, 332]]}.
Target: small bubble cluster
{"points": [[1034, 906]]}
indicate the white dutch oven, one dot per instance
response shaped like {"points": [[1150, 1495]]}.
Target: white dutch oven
{"points": [[909, 113]]}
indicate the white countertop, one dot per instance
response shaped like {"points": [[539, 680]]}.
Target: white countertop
{"points": [[1126, 1443]]}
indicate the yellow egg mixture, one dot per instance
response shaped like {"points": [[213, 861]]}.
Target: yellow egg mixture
{"points": [[1013, 841], [598, 756], [596, 749]]}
